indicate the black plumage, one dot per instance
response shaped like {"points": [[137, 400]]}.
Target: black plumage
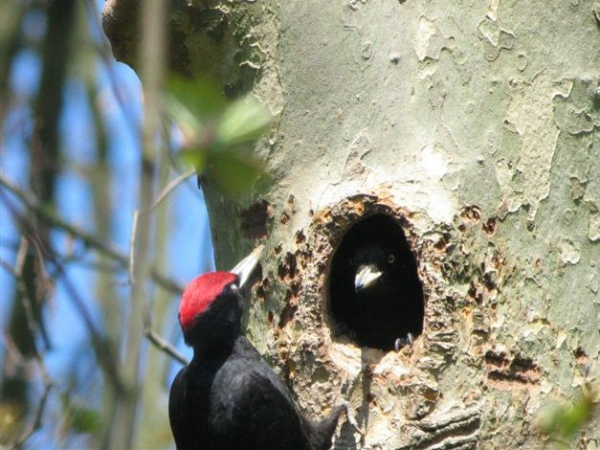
{"points": [[228, 397], [375, 293]]}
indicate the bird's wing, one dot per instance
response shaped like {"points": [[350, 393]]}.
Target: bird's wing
{"points": [[257, 405], [177, 410]]}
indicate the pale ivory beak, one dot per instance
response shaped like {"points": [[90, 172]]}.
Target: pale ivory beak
{"points": [[366, 275], [244, 268]]}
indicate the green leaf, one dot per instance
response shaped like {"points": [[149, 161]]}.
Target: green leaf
{"points": [[185, 118], [234, 172], [80, 418], [85, 420], [216, 136], [243, 121], [563, 420], [195, 158], [201, 97]]}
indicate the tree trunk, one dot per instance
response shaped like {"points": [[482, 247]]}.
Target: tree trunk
{"points": [[474, 125]]}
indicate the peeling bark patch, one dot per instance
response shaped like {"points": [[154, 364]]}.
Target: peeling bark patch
{"points": [[506, 371], [577, 189], [495, 37], [261, 293], [255, 220], [451, 430], [429, 40], [574, 113], [524, 177], [594, 224], [422, 404], [570, 253], [436, 90], [442, 243], [475, 293]]}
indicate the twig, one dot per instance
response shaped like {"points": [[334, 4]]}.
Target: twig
{"points": [[31, 323], [37, 422], [158, 341], [103, 352], [44, 254], [89, 239], [172, 185], [6, 266], [163, 345], [132, 241]]}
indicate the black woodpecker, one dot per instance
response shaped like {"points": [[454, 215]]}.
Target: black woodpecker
{"points": [[376, 294], [228, 397]]}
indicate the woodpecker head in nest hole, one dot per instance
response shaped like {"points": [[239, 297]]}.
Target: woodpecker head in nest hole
{"points": [[376, 296]]}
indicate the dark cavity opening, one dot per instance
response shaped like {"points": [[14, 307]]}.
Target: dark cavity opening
{"points": [[375, 295]]}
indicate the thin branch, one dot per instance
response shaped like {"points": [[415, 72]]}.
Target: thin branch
{"points": [[44, 254], [95, 266], [31, 323], [171, 186], [37, 422], [92, 241], [132, 241], [89, 239], [103, 352], [158, 341], [6, 266], [165, 346], [27, 303]]}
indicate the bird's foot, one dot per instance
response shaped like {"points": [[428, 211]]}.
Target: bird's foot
{"points": [[351, 419], [401, 342]]}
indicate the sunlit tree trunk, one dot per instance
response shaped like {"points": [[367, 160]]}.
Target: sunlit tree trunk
{"points": [[474, 125]]}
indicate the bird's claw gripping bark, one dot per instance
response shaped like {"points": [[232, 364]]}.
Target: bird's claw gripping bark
{"points": [[351, 419], [401, 342]]}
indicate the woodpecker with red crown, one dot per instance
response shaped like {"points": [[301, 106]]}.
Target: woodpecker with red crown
{"points": [[228, 397]]}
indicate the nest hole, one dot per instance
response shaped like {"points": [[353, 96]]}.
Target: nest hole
{"points": [[375, 294]]}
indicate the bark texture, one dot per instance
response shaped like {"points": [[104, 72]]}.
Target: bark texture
{"points": [[475, 125]]}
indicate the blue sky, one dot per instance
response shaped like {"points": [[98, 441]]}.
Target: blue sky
{"points": [[190, 249]]}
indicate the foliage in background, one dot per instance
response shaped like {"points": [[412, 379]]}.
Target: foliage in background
{"points": [[71, 158], [217, 135], [562, 421]]}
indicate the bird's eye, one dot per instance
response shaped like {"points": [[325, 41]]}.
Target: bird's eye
{"points": [[351, 261], [233, 287], [391, 258]]}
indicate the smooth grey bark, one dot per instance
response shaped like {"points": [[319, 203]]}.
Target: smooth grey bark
{"points": [[475, 124]]}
